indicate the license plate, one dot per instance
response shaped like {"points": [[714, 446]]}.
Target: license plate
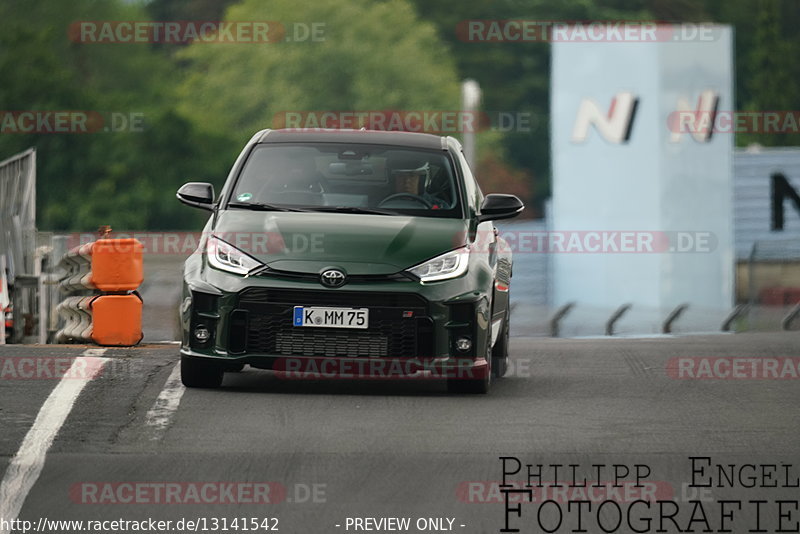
{"points": [[331, 317]]}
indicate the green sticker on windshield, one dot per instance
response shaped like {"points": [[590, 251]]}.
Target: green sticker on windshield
{"points": [[244, 197]]}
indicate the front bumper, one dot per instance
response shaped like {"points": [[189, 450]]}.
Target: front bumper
{"points": [[413, 326], [305, 367]]}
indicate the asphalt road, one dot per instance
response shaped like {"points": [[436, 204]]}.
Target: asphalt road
{"points": [[314, 453]]}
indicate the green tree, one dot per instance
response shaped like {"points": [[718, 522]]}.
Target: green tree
{"points": [[768, 80], [125, 179], [371, 56]]}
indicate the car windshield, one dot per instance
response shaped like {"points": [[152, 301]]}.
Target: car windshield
{"points": [[351, 178]]}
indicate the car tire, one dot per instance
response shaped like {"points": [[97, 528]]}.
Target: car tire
{"points": [[478, 386], [198, 373], [500, 350]]}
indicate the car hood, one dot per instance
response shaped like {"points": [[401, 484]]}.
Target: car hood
{"points": [[307, 242]]}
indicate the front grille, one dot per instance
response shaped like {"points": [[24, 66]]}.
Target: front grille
{"points": [[319, 343], [351, 279], [270, 330]]}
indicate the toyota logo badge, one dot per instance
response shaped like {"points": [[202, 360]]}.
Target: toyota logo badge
{"points": [[332, 278]]}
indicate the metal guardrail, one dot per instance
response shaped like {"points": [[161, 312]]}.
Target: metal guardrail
{"points": [[735, 313], [18, 246], [615, 317], [666, 327], [556, 319], [786, 322], [754, 319]]}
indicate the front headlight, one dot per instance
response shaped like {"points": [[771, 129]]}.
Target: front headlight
{"points": [[226, 257], [448, 265]]}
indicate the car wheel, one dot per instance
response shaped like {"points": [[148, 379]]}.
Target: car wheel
{"points": [[475, 386], [500, 350], [198, 373]]}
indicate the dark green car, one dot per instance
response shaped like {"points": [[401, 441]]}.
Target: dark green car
{"points": [[338, 254]]}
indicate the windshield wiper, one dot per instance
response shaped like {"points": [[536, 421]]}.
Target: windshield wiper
{"points": [[353, 209], [260, 206]]}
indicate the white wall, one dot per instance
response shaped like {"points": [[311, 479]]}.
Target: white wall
{"points": [[650, 182]]}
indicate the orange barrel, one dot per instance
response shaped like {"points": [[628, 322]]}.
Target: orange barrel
{"points": [[117, 264], [117, 320]]}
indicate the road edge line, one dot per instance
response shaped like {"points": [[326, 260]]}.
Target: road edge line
{"points": [[25, 467]]}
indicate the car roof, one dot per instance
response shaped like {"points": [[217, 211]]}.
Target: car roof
{"points": [[375, 137]]}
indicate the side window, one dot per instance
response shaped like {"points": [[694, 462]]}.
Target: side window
{"points": [[474, 194]]}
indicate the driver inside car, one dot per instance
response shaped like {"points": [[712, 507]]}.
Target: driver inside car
{"points": [[412, 186]]}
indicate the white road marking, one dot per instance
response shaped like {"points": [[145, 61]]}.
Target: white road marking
{"points": [[27, 464], [160, 415], [93, 352]]}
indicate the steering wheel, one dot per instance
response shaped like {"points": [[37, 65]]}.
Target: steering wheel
{"points": [[409, 196]]}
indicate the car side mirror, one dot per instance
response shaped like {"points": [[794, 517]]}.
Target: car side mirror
{"points": [[197, 194], [499, 206]]}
